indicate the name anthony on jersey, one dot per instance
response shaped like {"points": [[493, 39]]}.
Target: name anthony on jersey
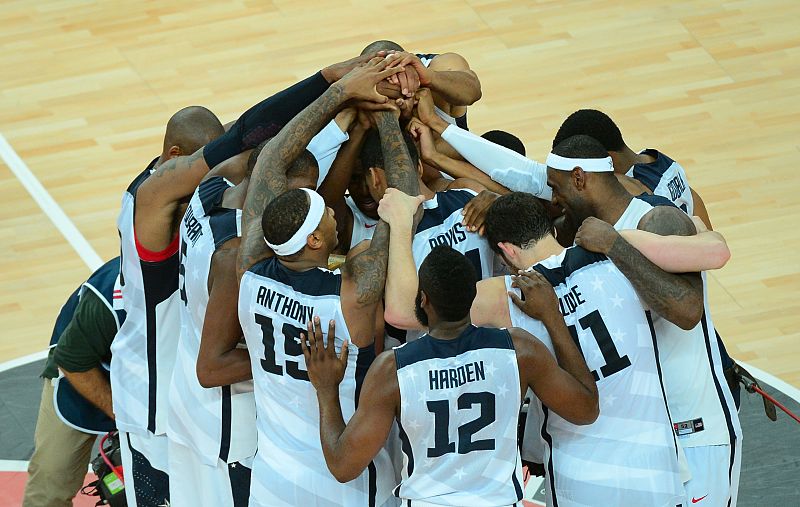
{"points": [[449, 378], [283, 304]]}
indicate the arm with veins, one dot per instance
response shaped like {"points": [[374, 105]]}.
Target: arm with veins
{"points": [[681, 254]]}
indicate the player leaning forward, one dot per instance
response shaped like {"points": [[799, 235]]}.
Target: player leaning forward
{"points": [[284, 282], [455, 392]]}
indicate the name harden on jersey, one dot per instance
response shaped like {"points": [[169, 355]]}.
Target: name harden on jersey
{"points": [[450, 378], [283, 304], [454, 236]]}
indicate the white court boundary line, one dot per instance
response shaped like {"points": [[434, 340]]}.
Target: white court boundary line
{"points": [[49, 205]]}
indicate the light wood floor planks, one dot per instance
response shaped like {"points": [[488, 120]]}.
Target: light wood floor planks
{"points": [[86, 89]]}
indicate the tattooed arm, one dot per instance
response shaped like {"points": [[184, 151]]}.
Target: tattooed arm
{"points": [[678, 297], [364, 276], [269, 175]]}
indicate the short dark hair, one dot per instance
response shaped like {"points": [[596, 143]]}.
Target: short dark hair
{"points": [[594, 123], [372, 154], [382, 45], [449, 280], [580, 146], [517, 218], [284, 215], [191, 128], [301, 167], [506, 139]]}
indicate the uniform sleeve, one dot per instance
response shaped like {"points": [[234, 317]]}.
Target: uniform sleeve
{"points": [[325, 145], [265, 119], [504, 166], [86, 342]]}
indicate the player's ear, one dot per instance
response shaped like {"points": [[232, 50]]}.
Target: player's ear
{"points": [[375, 178], [509, 251], [174, 151], [578, 178], [420, 170], [315, 240]]}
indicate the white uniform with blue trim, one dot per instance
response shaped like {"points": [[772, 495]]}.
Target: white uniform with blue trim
{"points": [[289, 469], [208, 427], [628, 456], [665, 177], [700, 401], [459, 401]]}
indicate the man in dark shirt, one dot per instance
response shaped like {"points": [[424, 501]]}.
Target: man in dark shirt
{"points": [[80, 346]]}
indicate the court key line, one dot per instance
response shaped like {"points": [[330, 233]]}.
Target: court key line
{"points": [[49, 206]]}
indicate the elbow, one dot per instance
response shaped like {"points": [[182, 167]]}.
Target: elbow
{"points": [[205, 375], [591, 410], [723, 255], [688, 320], [341, 474], [397, 319]]}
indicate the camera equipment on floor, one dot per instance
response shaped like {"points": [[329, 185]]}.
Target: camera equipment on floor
{"points": [[107, 465]]}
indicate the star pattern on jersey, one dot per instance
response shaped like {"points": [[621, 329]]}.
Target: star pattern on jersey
{"points": [[617, 301], [428, 463], [295, 402], [619, 336], [597, 355], [491, 368], [597, 284], [502, 390], [422, 397], [414, 425], [609, 400], [459, 473], [610, 267], [410, 374]]}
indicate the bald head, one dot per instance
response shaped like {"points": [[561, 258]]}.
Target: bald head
{"points": [[382, 45], [190, 129]]}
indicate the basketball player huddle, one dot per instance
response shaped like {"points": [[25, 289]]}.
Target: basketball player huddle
{"points": [[345, 296]]}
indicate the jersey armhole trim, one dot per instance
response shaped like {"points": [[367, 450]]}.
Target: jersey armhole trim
{"points": [[151, 256]]}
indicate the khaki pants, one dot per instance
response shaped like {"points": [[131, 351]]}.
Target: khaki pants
{"points": [[60, 458]]}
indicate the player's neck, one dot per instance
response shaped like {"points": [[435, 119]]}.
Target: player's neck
{"points": [[624, 159], [306, 262], [442, 330], [615, 200], [544, 248]]}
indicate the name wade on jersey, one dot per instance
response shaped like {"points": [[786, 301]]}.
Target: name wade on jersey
{"points": [[193, 228], [454, 236], [450, 378], [283, 304]]}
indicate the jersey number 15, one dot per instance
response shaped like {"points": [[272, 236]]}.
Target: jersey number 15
{"points": [[291, 347]]}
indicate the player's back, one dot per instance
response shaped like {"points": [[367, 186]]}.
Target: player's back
{"points": [[441, 225], [203, 418], [275, 303], [459, 404], [144, 348], [628, 456]]}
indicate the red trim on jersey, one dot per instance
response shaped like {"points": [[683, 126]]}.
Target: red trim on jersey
{"points": [[151, 256]]}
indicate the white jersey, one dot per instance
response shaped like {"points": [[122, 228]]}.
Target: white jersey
{"points": [[441, 225], [218, 422], [698, 395], [666, 178], [143, 351], [275, 303], [460, 402], [363, 226], [628, 456]]}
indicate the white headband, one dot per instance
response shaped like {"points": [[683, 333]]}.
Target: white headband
{"points": [[592, 165], [316, 210]]}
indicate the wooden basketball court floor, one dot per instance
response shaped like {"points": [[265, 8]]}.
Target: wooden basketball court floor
{"points": [[87, 87]]}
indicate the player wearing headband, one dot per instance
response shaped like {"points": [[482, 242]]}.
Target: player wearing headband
{"points": [[700, 401], [287, 237]]}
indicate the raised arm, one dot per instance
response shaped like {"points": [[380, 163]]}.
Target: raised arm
{"points": [[676, 297], [348, 449], [397, 209], [220, 361], [159, 196], [365, 273], [269, 175], [507, 167], [681, 254]]}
